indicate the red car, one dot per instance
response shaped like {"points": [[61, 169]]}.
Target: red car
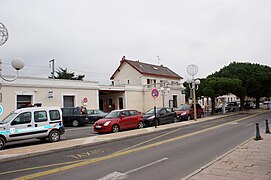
{"points": [[186, 111], [118, 120]]}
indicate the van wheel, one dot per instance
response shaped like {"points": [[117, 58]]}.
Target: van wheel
{"points": [[115, 128], [140, 125], [2, 143], [75, 123], [54, 136]]}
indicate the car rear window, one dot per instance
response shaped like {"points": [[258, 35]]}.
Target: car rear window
{"points": [[54, 115]]}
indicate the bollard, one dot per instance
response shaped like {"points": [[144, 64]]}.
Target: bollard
{"points": [[267, 130], [258, 136]]}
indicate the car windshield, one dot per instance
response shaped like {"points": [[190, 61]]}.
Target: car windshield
{"points": [[151, 111], [8, 118], [183, 107], [113, 114]]}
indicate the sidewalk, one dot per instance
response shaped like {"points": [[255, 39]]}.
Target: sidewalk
{"points": [[249, 161]]}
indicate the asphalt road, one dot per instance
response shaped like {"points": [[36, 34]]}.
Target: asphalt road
{"points": [[170, 154]]}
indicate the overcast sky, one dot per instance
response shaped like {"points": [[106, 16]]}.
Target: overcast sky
{"points": [[91, 36]]}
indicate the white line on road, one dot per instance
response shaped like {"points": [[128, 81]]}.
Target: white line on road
{"points": [[118, 175]]}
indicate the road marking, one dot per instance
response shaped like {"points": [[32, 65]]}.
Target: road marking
{"points": [[113, 155], [118, 175]]}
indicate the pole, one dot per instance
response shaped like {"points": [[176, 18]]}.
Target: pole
{"points": [[53, 68], [194, 99]]}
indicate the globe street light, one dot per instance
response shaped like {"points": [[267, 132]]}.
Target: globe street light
{"points": [[16, 63], [164, 90], [193, 84]]}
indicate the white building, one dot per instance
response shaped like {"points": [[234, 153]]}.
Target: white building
{"points": [[132, 83]]}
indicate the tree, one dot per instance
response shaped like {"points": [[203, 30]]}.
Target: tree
{"points": [[219, 86], [63, 73], [256, 79]]}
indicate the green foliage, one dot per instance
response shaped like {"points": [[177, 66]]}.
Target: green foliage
{"points": [[63, 73]]}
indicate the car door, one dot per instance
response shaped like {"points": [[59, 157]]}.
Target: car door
{"points": [[124, 121], [163, 117], [134, 119], [41, 124], [21, 127]]}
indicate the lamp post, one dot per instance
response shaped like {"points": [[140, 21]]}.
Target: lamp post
{"points": [[16, 63], [164, 91], [193, 84]]}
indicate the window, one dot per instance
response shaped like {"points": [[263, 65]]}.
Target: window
{"points": [[133, 113], [151, 81], [68, 101], [40, 116], [54, 115], [23, 118], [23, 101]]}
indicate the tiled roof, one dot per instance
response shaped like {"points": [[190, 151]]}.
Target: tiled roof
{"points": [[149, 69]]}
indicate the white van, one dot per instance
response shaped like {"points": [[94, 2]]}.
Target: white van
{"points": [[34, 122]]}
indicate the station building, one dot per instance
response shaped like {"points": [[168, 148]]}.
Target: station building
{"points": [[132, 84]]}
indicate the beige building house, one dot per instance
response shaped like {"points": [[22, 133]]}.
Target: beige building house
{"points": [[132, 84]]}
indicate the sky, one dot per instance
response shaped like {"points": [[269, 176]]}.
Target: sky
{"points": [[91, 36]]}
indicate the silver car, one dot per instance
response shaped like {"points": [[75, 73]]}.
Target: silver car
{"points": [[34, 122]]}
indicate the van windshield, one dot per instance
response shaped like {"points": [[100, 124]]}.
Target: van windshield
{"points": [[8, 118]]}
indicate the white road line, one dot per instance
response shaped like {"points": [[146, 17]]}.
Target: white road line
{"points": [[118, 175]]}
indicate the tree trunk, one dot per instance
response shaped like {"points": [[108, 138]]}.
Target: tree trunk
{"points": [[257, 102], [213, 105], [242, 102]]}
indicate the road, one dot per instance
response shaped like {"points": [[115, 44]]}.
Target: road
{"points": [[170, 154]]}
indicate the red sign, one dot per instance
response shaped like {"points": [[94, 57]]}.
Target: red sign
{"points": [[85, 100], [154, 93]]}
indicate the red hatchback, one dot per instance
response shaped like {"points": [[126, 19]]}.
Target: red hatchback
{"points": [[118, 120]]}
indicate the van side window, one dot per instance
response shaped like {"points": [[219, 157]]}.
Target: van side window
{"points": [[40, 116], [23, 118], [54, 115]]}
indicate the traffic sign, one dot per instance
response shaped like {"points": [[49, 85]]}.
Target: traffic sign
{"points": [[1, 110], [85, 100], [154, 93]]}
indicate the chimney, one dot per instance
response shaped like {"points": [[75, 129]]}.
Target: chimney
{"points": [[122, 59]]}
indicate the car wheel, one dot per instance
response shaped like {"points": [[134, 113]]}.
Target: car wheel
{"points": [[54, 136], [115, 128], [140, 125], [75, 123], [2, 143], [188, 117]]}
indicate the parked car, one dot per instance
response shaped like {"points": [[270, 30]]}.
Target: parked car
{"points": [[186, 111], [232, 106], [118, 120], [74, 116], [95, 114], [29, 123], [163, 115]]}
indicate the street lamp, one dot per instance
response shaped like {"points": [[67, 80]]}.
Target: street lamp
{"points": [[16, 63], [193, 84], [164, 90]]}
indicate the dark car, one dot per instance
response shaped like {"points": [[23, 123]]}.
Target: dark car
{"points": [[186, 111], [163, 115], [74, 116], [118, 120], [95, 114], [232, 106]]}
